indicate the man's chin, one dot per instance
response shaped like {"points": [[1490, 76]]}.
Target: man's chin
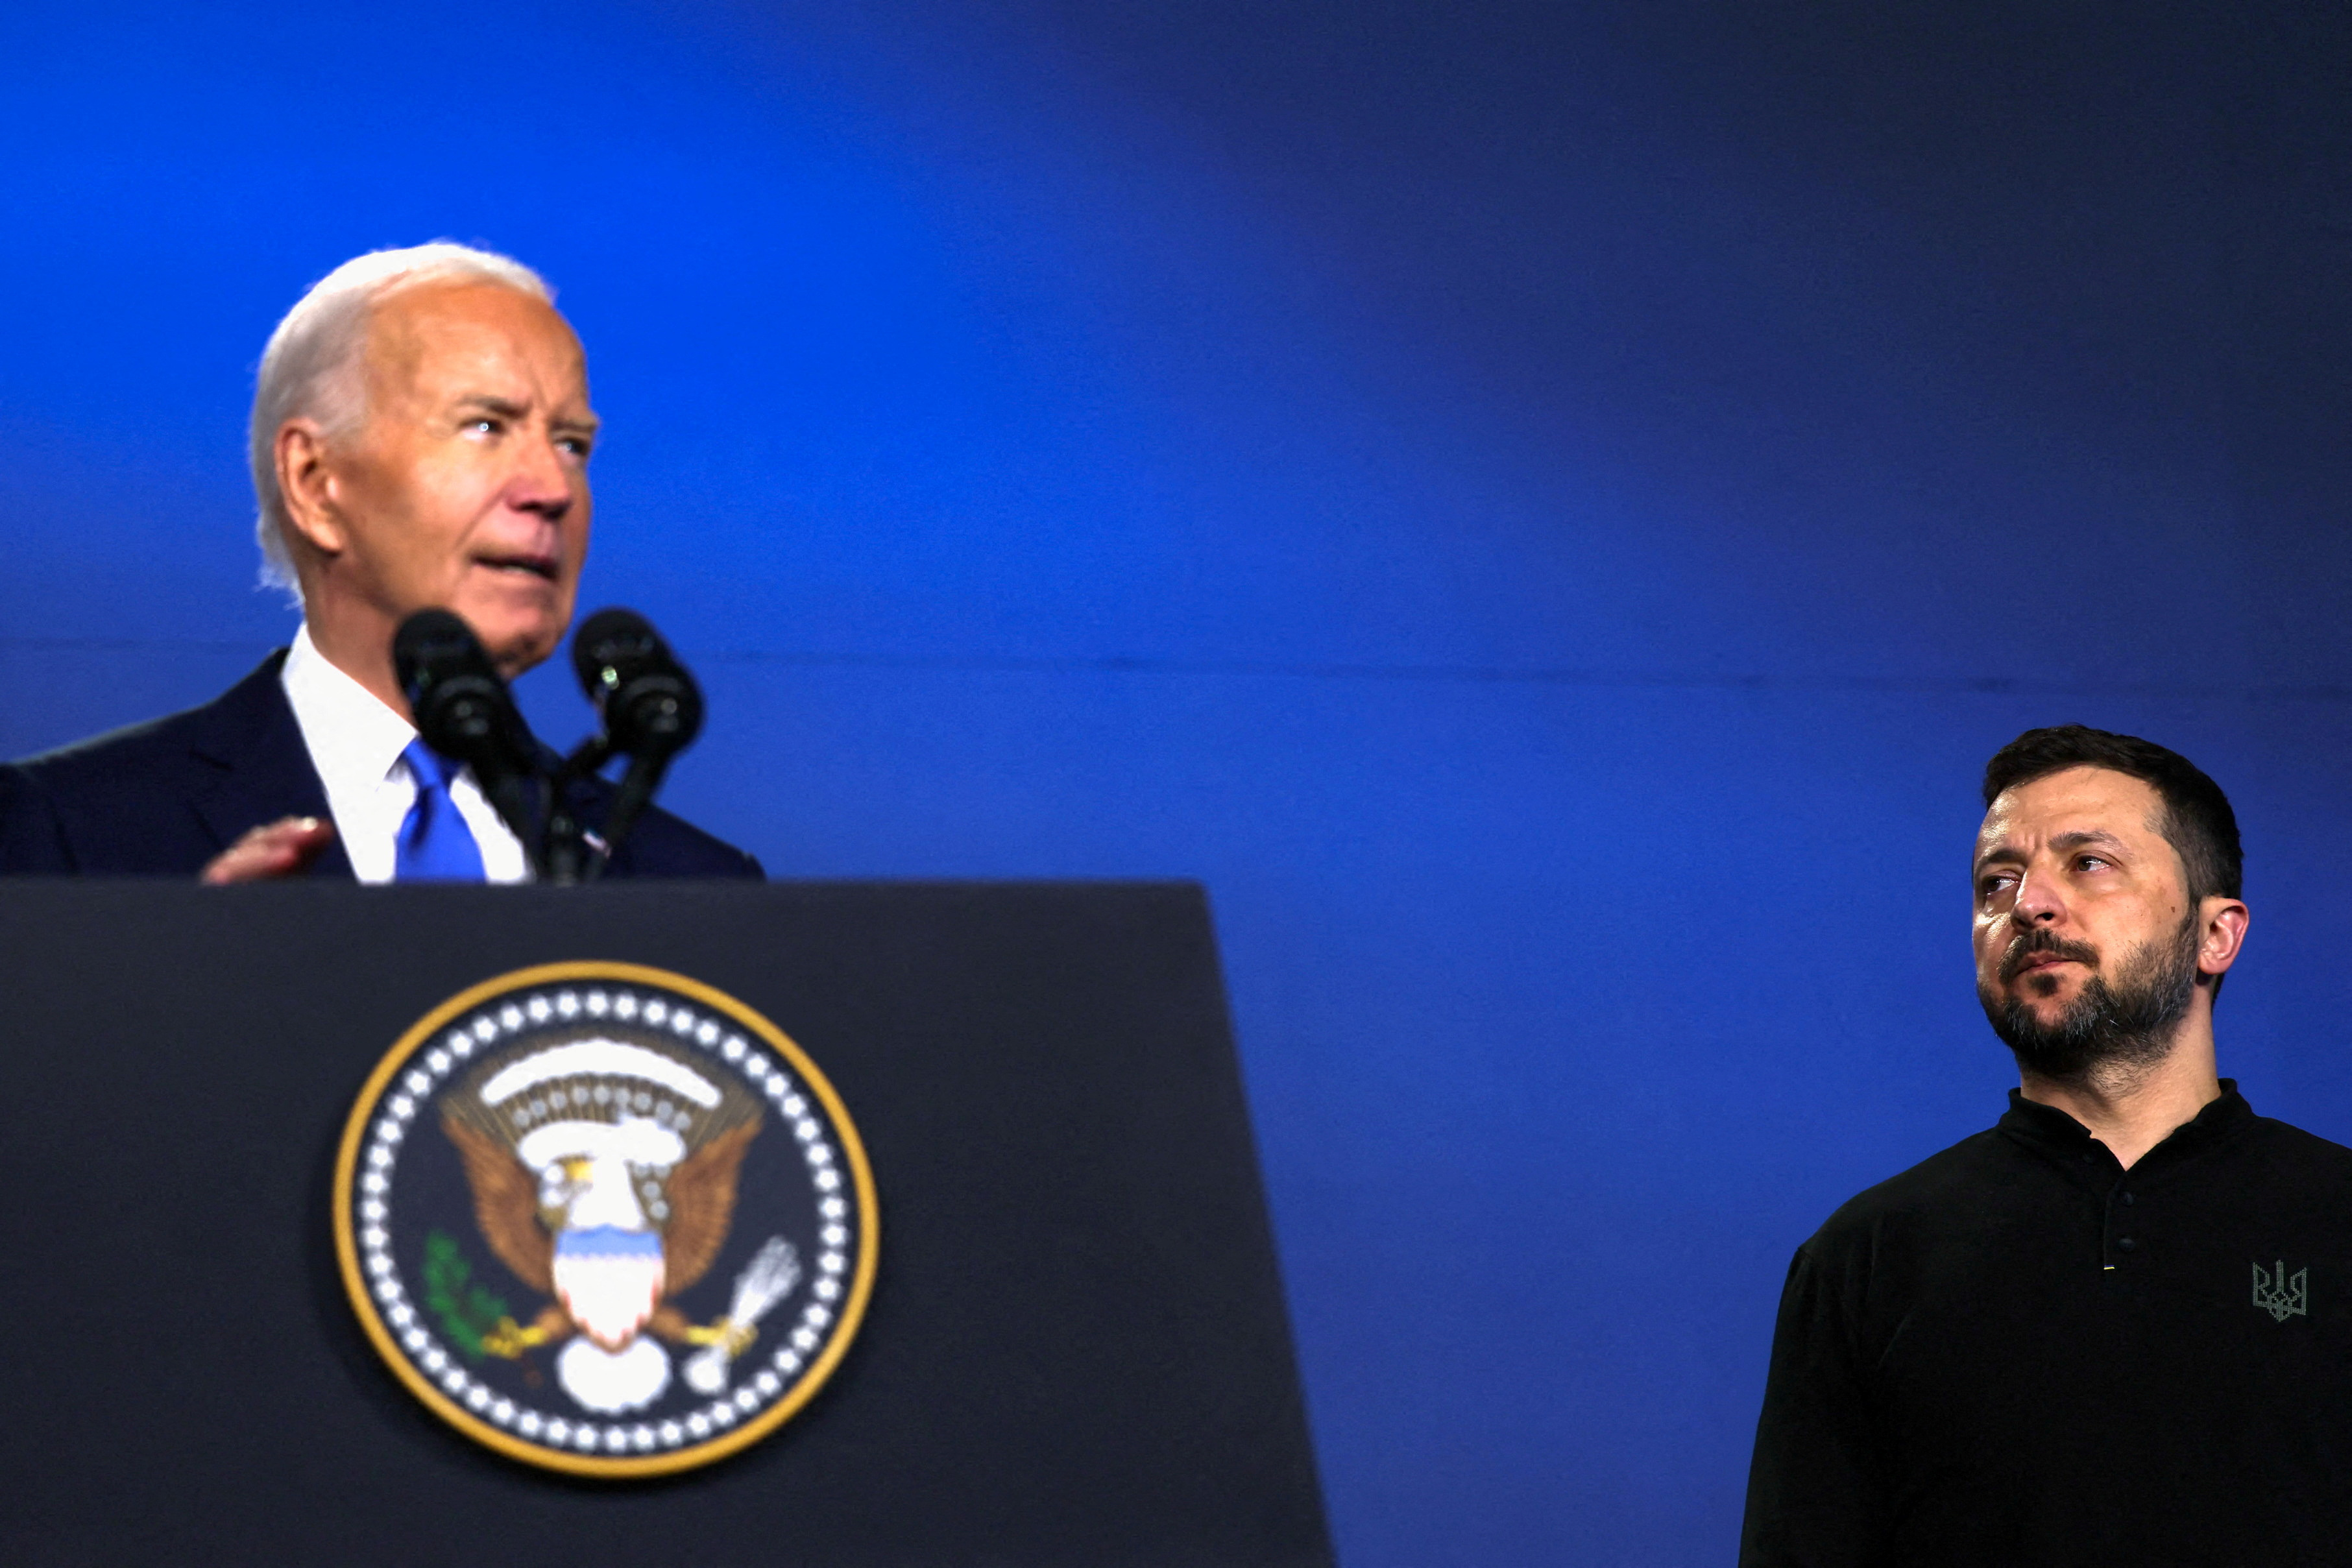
{"points": [[515, 641], [2047, 1016], [516, 650]]}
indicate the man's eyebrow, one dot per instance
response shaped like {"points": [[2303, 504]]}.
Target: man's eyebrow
{"points": [[505, 408], [2063, 841], [2075, 840], [1997, 853]]}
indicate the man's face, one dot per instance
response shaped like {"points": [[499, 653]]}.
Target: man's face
{"points": [[2087, 946], [466, 487]]}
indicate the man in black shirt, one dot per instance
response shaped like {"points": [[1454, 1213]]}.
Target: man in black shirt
{"points": [[2116, 1328]]}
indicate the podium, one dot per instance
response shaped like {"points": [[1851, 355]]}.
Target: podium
{"points": [[1075, 1352]]}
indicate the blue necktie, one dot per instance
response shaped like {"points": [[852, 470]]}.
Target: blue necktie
{"points": [[435, 844]]}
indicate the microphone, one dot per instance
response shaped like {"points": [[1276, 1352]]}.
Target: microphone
{"points": [[649, 704], [651, 708], [463, 709]]}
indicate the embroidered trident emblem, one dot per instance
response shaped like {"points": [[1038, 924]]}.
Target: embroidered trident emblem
{"points": [[2281, 1297]]}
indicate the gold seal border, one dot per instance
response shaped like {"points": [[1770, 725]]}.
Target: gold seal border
{"points": [[853, 1312]]}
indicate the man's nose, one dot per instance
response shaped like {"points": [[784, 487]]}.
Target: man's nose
{"points": [[2038, 902], [542, 482]]}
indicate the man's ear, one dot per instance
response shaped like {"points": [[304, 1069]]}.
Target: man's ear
{"points": [[2222, 932], [308, 484]]}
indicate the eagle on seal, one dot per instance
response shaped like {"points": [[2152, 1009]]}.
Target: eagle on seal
{"points": [[603, 1175]]}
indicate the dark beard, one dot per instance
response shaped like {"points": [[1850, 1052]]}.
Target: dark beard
{"points": [[2127, 1025]]}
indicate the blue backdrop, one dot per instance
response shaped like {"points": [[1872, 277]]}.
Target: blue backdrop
{"points": [[1544, 509]]}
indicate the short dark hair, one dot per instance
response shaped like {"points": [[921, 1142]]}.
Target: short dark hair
{"points": [[2198, 822]]}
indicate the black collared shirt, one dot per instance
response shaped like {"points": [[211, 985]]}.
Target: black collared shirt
{"points": [[2019, 1353]]}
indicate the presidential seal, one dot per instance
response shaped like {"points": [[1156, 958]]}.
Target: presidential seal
{"points": [[604, 1219]]}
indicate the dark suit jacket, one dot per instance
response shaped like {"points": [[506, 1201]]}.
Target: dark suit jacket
{"points": [[164, 798]]}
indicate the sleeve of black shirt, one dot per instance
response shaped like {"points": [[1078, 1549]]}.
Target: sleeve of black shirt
{"points": [[1815, 1497]]}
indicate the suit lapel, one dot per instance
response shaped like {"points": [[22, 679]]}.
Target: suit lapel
{"points": [[261, 769]]}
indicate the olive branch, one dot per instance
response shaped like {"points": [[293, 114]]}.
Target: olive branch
{"points": [[467, 1311]]}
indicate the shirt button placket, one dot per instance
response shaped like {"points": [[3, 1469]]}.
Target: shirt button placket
{"points": [[2120, 1246]]}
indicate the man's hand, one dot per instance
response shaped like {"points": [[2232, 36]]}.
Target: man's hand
{"points": [[274, 848]]}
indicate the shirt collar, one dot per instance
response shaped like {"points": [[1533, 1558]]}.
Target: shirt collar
{"points": [[2053, 1132], [353, 739]]}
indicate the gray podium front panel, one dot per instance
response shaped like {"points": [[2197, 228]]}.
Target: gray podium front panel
{"points": [[1075, 1353]]}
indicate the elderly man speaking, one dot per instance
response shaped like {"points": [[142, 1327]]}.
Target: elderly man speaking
{"points": [[421, 431]]}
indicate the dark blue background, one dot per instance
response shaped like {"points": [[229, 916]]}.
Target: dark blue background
{"points": [[1544, 509]]}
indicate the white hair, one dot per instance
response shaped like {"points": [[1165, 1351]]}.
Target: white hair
{"points": [[312, 368]]}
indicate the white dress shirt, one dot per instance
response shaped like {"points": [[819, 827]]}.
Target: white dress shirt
{"points": [[355, 744]]}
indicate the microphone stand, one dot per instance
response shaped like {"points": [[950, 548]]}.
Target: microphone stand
{"points": [[568, 858], [638, 785]]}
